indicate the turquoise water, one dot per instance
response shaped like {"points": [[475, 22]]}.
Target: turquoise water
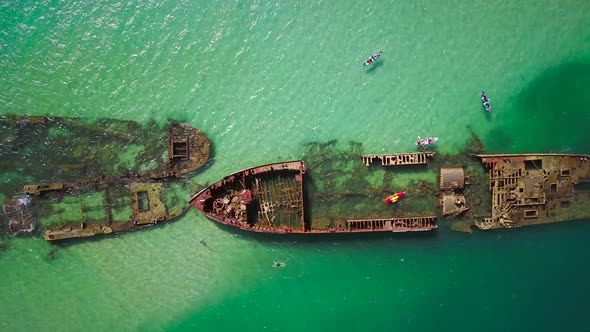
{"points": [[263, 79]]}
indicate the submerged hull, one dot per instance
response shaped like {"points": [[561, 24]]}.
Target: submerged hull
{"points": [[271, 199], [42, 148], [93, 177], [78, 210]]}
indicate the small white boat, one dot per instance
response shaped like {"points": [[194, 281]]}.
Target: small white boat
{"points": [[426, 141]]}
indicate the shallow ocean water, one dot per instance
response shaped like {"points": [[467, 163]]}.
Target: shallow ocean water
{"points": [[264, 79]]}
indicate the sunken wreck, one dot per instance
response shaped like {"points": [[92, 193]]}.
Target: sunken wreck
{"points": [[104, 177], [91, 178], [486, 191]]}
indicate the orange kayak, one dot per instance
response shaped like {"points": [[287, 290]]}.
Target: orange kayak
{"points": [[395, 197]]}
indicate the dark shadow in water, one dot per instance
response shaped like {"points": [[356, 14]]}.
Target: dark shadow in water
{"points": [[500, 140], [488, 115], [3, 245], [550, 114], [372, 68]]}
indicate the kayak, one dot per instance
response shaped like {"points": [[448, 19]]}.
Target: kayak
{"points": [[395, 197], [486, 101], [426, 141], [372, 58]]}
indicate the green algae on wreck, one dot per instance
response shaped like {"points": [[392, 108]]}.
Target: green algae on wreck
{"points": [[110, 208], [339, 186], [102, 177], [548, 188], [342, 191], [51, 149]]}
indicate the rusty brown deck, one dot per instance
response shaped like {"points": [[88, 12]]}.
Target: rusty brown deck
{"points": [[267, 198], [188, 150], [408, 224], [412, 158], [529, 189], [19, 214]]}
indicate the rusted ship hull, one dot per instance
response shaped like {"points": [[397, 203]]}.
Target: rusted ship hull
{"points": [[486, 191], [271, 199]]}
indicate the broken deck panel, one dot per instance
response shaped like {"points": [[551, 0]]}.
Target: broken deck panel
{"points": [[412, 158], [188, 150], [530, 189], [451, 181], [407, 224], [147, 205], [19, 213], [110, 209]]}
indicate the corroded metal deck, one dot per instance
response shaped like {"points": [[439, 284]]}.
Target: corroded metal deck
{"points": [[451, 180], [147, 208], [188, 150], [425, 223], [19, 213], [412, 158], [267, 198], [532, 189]]}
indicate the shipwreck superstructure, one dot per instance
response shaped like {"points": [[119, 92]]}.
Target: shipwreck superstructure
{"points": [[530, 189]]}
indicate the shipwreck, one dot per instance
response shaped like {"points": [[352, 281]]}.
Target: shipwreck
{"points": [[520, 190], [106, 177]]}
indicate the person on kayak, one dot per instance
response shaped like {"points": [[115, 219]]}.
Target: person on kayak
{"points": [[372, 58], [484, 96]]}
